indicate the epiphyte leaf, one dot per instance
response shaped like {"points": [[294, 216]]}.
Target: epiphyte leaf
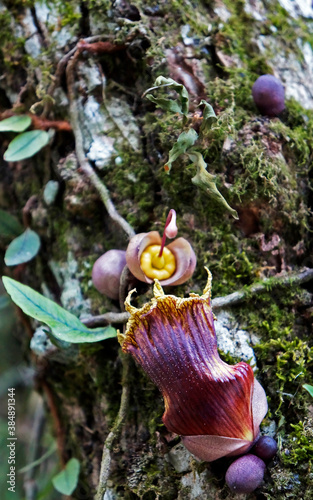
{"points": [[209, 116], [26, 145], [176, 106], [17, 123], [184, 141], [309, 388], [50, 192], [206, 181], [9, 225], [66, 481], [23, 248], [63, 324]]}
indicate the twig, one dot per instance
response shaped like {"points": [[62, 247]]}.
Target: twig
{"points": [[106, 319], [113, 434], [290, 279], [84, 163]]}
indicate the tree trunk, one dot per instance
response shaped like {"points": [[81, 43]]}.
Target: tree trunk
{"points": [[80, 71]]}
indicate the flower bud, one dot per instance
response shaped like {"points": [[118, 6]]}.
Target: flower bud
{"points": [[245, 474], [269, 95], [265, 448], [106, 272]]}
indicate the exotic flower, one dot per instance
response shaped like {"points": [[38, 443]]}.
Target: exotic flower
{"points": [[216, 408], [148, 258]]}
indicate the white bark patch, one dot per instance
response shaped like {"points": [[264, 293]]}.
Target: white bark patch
{"points": [[231, 339]]}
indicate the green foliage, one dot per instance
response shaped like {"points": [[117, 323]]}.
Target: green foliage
{"points": [[300, 444], [17, 123], [26, 145], [172, 105], [9, 225], [23, 248], [64, 325], [308, 388], [184, 142], [206, 181], [208, 116], [66, 481], [187, 139]]}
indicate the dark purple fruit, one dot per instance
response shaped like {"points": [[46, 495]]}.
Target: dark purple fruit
{"points": [[106, 272], [265, 448], [245, 474], [269, 95]]}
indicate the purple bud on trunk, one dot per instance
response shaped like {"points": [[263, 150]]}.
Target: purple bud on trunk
{"points": [[269, 95], [265, 448], [245, 474], [106, 272]]}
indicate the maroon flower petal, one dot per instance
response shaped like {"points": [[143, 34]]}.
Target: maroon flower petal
{"points": [[174, 341], [211, 448]]}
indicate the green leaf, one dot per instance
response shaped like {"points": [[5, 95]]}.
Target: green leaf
{"points": [[166, 104], [9, 225], [184, 141], [209, 116], [23, 248], [64, 325], [66, 481], [182, 106], [50, 192], [17, 123], [205, 181], [309, 388], [26, 145]]}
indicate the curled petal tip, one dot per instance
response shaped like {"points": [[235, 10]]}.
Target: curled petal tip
{"points": [[208, 286], [129, 308]]}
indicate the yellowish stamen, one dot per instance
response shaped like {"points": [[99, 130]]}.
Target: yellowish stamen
{"points": [[156, 267]]}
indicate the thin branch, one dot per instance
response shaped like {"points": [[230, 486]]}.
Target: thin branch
{"points": [[106, 319], [83, 162], [290, 279], [114, 433]]}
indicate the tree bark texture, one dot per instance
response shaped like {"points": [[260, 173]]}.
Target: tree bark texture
{"points": [[80, 70]]}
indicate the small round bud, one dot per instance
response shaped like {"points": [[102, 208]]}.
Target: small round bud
{"points": [[245, 474], [265, 448], [106, 272], [269, 95]]}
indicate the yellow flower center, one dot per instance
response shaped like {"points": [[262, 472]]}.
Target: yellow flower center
{"points": [[156, 267]]}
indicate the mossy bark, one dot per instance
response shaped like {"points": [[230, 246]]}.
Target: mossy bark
{"points": [[262, 167]]}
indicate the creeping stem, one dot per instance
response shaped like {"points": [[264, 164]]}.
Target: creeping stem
{"points": [[83, 162], [113, 434]]}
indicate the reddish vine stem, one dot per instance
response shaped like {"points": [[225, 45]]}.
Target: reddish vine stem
{"points": [[59, 429]]}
